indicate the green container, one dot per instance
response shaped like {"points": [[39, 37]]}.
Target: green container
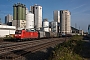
{"points": [[24, 13], [19, 12], [14, 12]]}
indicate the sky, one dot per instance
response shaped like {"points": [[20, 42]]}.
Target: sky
{"points": [[80, 10]]}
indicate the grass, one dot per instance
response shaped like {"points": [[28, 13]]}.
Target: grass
{"points": [[70, 50]]}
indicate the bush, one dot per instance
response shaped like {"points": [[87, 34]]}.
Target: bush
{"points": [[69, 50]]}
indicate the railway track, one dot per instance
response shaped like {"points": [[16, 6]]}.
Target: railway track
{"points": [[13, 51], [18, 46]]}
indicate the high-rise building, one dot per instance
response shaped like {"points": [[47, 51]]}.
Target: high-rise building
{"points": [[19, 15], [37, 11], [56, 16], [65, 17], [8, 20]]}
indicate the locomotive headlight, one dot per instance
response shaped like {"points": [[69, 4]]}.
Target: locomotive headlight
{"points": [[15, 35], [19, 35]]}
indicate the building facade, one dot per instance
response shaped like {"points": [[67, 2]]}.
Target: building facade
{"points": [[8, 20], [6, 30], [56, 16], [65, 24], [37, 11], [45, 25], [19, 15]]}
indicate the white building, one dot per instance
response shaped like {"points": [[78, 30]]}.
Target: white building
{"points": [[56, 16], [29, 21], [6, 30], [37, 11], [54, 26], [65, 24], [81, 32], [8, 19], [45, 25]]}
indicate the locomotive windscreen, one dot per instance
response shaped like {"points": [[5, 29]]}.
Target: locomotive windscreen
{"points": [[18, 32]]}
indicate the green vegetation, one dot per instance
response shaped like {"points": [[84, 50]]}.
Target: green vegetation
{"points": [[7, 38], [77, 37], [70, 50]]}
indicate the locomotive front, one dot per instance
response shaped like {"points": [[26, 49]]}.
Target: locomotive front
{"points": [[18, 34]]}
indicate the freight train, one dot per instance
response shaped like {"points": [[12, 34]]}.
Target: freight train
{"points": [[30, 34]]}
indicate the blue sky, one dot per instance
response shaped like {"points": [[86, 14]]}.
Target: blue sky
{"points": [[80, 9]]}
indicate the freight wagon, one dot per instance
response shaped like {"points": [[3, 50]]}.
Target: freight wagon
{"points": [[43, 34]]}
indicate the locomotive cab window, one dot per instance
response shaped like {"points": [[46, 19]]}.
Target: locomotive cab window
{"points": [[18, 32]]}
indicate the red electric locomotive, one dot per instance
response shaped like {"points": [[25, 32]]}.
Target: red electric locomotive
{"points": [[26, 34]]}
